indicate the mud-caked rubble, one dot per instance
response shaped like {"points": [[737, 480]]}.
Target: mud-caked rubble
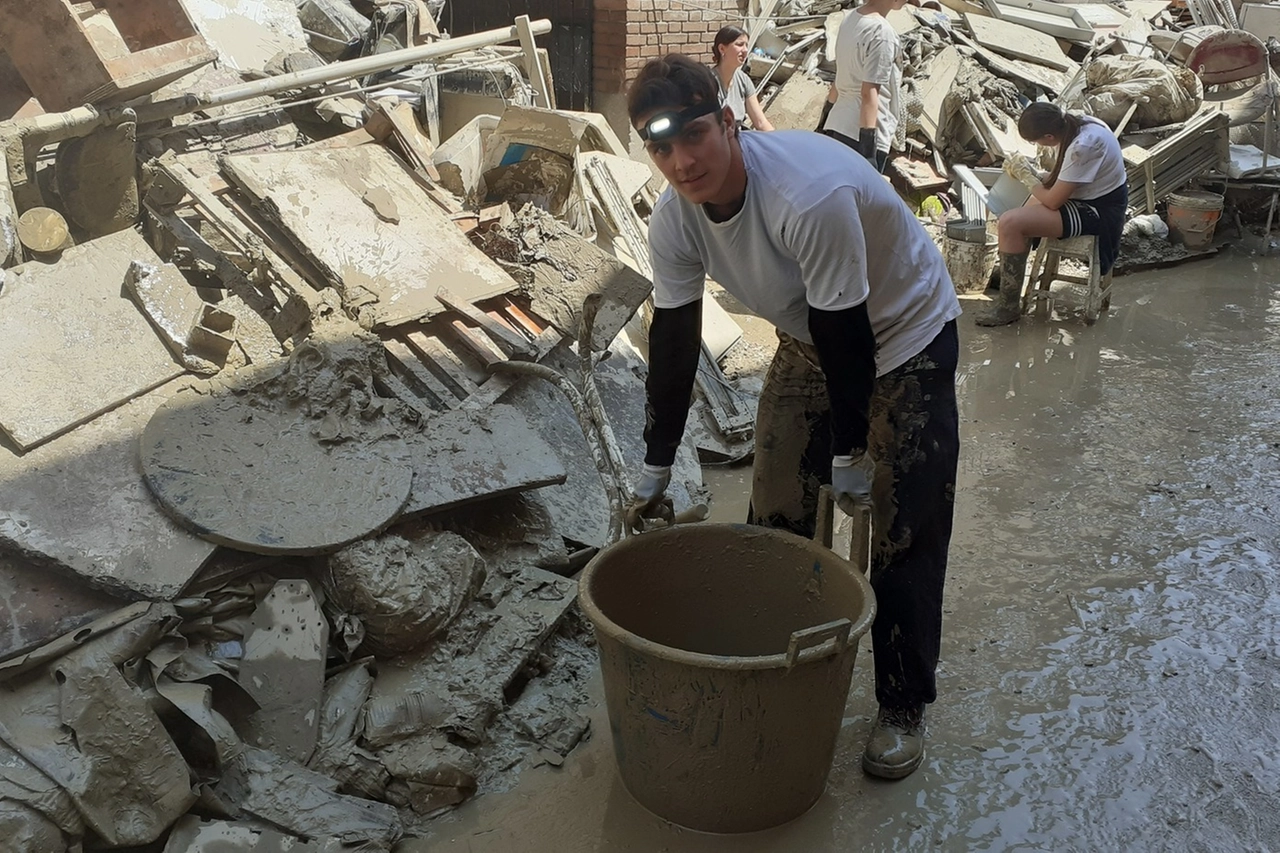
{"points": [[1187, 86], [302, 443], [286, 551]]}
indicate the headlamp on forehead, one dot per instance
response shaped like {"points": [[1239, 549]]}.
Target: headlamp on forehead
{"points": [[665, 125]]}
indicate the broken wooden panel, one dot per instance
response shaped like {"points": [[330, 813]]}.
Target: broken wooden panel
{"points": [[248, 34], [38, 606], [458, 684], [283, 670], [72, 346], [942, 69], [79, 504], [1018, 41], [337, 206], [464, 456], [138, 49]]}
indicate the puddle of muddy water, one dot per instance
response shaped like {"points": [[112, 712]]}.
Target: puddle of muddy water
{"points": [[1110, 649]]}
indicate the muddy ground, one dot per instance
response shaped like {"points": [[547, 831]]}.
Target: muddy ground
{"points": [[1110, 651]]}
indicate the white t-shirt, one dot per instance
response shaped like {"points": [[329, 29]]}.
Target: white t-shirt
{"points": [[818, 227], [867, 51], [1093, 158]]}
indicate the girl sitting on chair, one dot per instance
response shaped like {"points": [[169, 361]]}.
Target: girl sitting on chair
{"points": [[1086, 193]]}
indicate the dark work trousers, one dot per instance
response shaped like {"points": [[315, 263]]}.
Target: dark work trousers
{"points": [[915, 441], [882, 157]]}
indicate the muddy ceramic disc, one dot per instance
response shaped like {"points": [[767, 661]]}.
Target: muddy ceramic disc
{"points": [[258, 480]]}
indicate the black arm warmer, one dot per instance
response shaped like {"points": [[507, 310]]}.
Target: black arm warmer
{"points": [[847, 351], [675, 344]]}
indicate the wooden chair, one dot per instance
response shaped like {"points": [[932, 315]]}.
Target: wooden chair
{"points": [[1044, 272]]}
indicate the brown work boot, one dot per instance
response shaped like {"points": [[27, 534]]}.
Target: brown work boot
{"points": [[1007, 306], [896, 746]]}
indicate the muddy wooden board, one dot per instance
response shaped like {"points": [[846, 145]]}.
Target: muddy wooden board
{"points": [[37, 605], [71, 344], [942, 73], [361, 216], [250, 474], [1018, 41], [79, 503], [464, 456]]}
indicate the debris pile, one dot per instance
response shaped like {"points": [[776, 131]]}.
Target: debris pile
{"points": [[1187, 86], [285, 554]]}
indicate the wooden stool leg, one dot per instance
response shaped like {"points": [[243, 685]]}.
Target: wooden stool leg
{"points": [[1093, 301], [1049, 276], [1029, 286], [1106, 292]]}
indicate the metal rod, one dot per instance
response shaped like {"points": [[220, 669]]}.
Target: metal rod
{"points": [[334, 72]]}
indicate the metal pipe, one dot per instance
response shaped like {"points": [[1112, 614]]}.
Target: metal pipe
{"points": [[366, 65], [332, 73]]}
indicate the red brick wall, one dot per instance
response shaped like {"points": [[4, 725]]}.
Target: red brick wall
{"points": [[628, 33]]}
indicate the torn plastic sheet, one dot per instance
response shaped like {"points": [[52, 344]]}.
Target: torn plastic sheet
{"points": [[94, 734], [429, 773], [192, 835], [35, 813], [341, 721], [261, 784], [195, 701]]}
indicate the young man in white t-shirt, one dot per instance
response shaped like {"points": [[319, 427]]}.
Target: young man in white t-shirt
{"points": [[861, 393], [863, 105]]}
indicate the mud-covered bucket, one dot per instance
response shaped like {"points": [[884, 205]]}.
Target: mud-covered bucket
{"points": [[727, 652], [970, 264], [1193, 216]]}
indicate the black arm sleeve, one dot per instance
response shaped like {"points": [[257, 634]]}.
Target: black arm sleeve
{"points": [[675, 343], [847, 351]]}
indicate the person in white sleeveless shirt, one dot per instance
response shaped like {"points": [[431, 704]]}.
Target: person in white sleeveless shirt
{"points": [[861, 393]]}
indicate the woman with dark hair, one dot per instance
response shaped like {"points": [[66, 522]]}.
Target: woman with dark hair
{"points": [[729, 50], [1086, 193]]}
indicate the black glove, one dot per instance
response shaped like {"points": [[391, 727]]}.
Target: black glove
{"points": [[867, 143], [826, 111]]}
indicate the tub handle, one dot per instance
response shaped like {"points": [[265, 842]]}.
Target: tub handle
{"points": [[805, 640]]}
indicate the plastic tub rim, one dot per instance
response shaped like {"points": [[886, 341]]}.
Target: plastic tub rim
{"points": [[734, 663]]}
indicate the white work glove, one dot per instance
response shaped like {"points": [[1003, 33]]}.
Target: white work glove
{"points": [[851, 481], [1020, 167], [649, 497]]}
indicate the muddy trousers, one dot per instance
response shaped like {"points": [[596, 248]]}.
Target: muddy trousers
{"points": [[914, 438]]}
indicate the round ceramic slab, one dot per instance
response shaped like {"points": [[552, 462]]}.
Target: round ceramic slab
{"points": [[258, 480]]}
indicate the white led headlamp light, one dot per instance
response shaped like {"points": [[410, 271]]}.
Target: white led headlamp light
{"points": [[667, 124]]}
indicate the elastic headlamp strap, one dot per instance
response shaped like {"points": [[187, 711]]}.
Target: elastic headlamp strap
{"points": [[665, 125]]}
